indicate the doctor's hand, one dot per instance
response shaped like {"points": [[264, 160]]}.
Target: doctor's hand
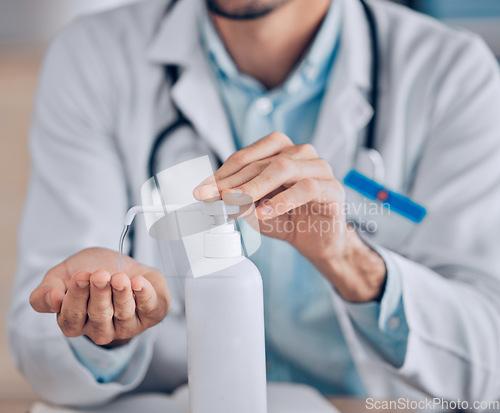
{"points": [[92, 299], [299, 200]]}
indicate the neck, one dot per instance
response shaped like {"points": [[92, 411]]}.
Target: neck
{"points": [[268, 48]]}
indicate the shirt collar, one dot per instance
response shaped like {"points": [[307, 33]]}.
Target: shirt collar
{"points": [[312, 67], [176, 39]]}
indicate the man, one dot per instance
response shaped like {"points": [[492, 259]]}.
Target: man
{"points": [[409, 311]]}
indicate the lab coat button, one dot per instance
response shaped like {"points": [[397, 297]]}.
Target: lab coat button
{"points": [[393, 323], [264, 106]]}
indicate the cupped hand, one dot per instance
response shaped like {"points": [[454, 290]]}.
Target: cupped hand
{"points": [[90, 297]]}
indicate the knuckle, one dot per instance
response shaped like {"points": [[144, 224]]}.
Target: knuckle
{"points": [[71, 333], [104, 307], [310, 185], [126, 330], [325, 165], [283, 163], [101, 339], [149, 311], [100, 314], [147, 307], [280, 137], [124, 333], [98, 333], [67, 326], [238, 158], [306, 149], [123, 316]]}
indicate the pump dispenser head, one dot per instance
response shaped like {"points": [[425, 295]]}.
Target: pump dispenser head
{"points": [[222, 240], [218, 210]]}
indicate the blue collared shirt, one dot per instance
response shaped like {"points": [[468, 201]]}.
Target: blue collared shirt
{"points": [[304, 341]]}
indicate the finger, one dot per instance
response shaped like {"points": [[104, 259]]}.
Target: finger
{"points": [[303, 192], [264, 148], [124, 318], [244, 175], [208, 188], [73, 313], [270, 145], [283, 172], [49, 295], [304, 151], [146, 301], [99, 326], [209, 191]]}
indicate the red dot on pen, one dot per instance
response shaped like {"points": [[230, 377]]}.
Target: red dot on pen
{"points": [[382, 195]]}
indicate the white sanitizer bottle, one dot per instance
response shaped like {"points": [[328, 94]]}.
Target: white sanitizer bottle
{"points": [[225, 327]]}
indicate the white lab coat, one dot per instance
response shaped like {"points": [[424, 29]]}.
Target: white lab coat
{"points": [[103, 98]]}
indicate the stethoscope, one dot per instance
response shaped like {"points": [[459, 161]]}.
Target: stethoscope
{"points": [[369, 154]]}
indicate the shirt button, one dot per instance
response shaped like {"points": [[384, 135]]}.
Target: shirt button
{"points": [[311, 72], [264, 106], [294, 85], [393, 323]]}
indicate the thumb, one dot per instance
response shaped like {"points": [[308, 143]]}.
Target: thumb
{"points": [[48, 296]]}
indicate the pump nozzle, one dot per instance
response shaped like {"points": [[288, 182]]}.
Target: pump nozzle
{"points": [[219, 210]]}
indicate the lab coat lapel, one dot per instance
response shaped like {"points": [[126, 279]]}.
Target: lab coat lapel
{"points": [[345, 110], [195, 93], [197, 97]]}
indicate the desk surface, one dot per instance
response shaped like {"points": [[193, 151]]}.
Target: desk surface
{"points": [[344, 405]]}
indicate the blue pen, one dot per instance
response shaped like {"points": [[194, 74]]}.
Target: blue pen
{"points": [[389, 199]]}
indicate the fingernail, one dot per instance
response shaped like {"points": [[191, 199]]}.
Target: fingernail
{"points": [[82, 284], [48, 300], [236, 192], [208, 192], [119, 289], [138, 289], [100, 285]]}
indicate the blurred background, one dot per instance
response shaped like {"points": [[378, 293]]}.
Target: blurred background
{"points": [[26, 27]]}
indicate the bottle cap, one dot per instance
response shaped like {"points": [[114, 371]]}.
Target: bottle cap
{"points": [[223, 244], [222, 241]]}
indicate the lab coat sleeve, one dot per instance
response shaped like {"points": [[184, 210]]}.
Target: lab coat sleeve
{"points": [[384, 323], [105, 364], [77, 198], [450, 265]]}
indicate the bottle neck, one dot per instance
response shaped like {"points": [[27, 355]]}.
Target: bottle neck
{"points": [[223, 241]]}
